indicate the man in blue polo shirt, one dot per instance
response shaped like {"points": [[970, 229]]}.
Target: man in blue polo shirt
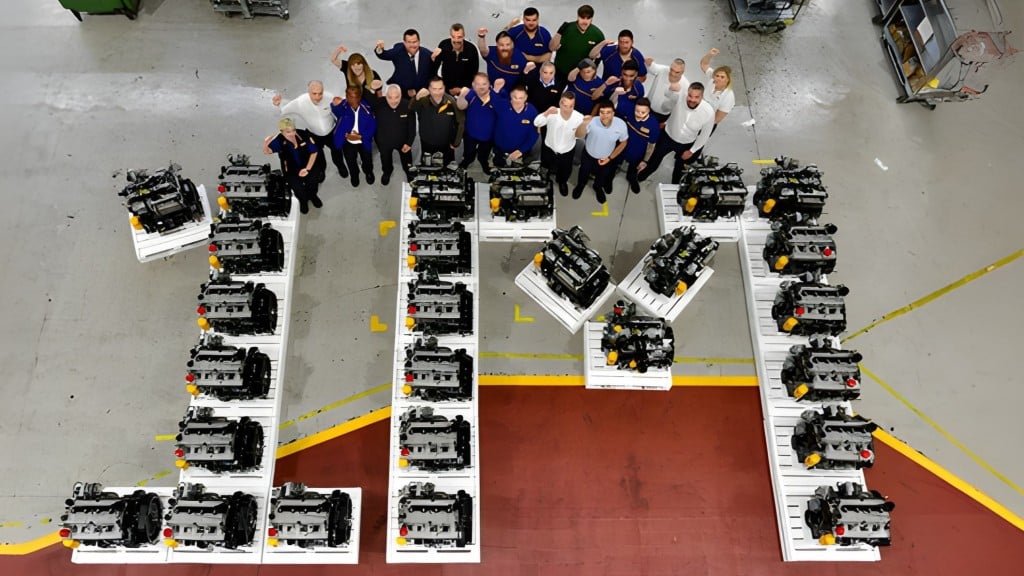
{"points": [[478, 138], [586, 85], [643, 135], [515, 136], [624, 90], [614, 54], [504, 61], [530, 37], [605, 140]]}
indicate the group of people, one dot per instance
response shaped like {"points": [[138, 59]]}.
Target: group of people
{"points": [[526, 106]]}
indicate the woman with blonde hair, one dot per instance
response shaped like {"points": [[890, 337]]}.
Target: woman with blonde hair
{"points": [[357, 72], [301, 162], [721, 96]]}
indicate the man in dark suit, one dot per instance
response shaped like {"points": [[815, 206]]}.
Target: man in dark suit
{"points": [[413, 66]]}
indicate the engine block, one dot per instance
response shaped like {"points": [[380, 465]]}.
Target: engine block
{"points": [[809, 308], [227, 372], [708, 191], [429, 441], [207, 519], [787, 188], [237, 307], [820, 372], [242, 246], [217, 443], [794, 249], [161, 201], [521, 193], [834, 440], [571, 268], [306, 518], [442, 246], [676, 260], [93, 517], [435, 519], [849, 515], [437, 373], [632, 342], [254, 190]]}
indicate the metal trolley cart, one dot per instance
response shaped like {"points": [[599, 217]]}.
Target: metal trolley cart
{"points": [[251, 8], [764, 16]]}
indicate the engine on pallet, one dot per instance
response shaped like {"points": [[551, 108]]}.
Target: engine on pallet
{"points": [[227, 372], [632, 342], [429, 441], [218, 444], [438, 306], [104, 519], [206, 519], [437, 373], [676, 260], [435, 519], [161, 201], [849, 515], [708, 191], [834, 440], [572, 269], [242, 246], [820, 372], [794, 248], [808, 308], [441, 192], [237, 308], [253, 190], [520, 193], [787, 188], [307, 519], [442, 246]]}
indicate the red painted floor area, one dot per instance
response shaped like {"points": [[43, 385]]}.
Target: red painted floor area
{"points": [[587, 483]]}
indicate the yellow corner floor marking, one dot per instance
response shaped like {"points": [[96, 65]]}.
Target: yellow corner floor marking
{"points": [[940, 292], [519, 318], [376, 326], [603, 212], [384, 226], [334, 432], [165, 437], [950, 478], [762, 161], [334, 405], [952, 440], [30, 546]]}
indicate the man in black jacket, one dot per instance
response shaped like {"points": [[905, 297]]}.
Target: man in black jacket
{"points": [[396, 130], [441, 121], [456, 60], [544, 90]]}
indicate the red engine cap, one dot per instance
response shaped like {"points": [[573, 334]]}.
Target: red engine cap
{"points": [[840, 530], [271, 531], [168, 532], [799, 311], [201, 310], [413, 247], [222, 189], [412, 310], [409, 377]]}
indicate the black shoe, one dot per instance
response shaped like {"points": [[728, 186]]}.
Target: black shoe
{"points": [[316, 202], [385, 179], [355, 180], [369, 178], [408, 177], [304, 207], [634, 186], [343, 173], [600, 197], [577, 192], [608, 190], [485, 168], [563, 188]]}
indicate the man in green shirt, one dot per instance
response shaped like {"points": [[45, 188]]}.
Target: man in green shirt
{"points": [[574, 41]]}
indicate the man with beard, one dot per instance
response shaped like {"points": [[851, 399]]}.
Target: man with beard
{"points": [[441, 121], [574, 41], [605, 140], [662, 100], [613, 55], [686, 132], [314, 109], [514, 134], [479, 106], [455, 61], [504, 61], [530, 38], [396, 130]]}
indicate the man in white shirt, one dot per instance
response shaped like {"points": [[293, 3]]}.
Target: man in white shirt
{"points": [[314, 109], [687, 130], [661, 77], [605, 141], [560, 139]]}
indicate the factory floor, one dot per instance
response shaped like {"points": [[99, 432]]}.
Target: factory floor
{"points": [[94, 343]]}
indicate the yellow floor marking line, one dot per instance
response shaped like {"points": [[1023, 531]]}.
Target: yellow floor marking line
{"points": [[15, 524], [165, 437], [940, 292], [30, 546], [334, 405], [45, 521], [764, 161], [334, 432], [385, 226], [950, 478], [603, 212], [376, 326], [518, 317], [935, 425], [156, 476]]}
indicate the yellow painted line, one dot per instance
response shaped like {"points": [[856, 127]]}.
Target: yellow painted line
{"points": [[935, 425], [603, 212], [545, 356], [334, 432], [30, 546], [156, 476], [950, 478], [577, 380], [45, 521], [165, 437], [763, 161], [14, 524], [599, 319], [384, 226], [376, 326], [940, 292], [334, 405], [518, 317]]}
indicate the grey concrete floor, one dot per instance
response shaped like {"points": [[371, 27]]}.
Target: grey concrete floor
{"points": [[94, 343]]}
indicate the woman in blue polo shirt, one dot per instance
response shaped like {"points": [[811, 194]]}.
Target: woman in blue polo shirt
{"points": [[301, 162]]}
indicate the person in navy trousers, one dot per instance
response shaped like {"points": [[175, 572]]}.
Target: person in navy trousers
{"points": [[412, 63], [354, 132]]}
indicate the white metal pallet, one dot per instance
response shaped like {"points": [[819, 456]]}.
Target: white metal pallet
{"points": [[533, 283], [146, 554], [792, 484], [495, 228], [252, 554], [670, 216], [348, 554], [634, 287], [156, 245], [469, 478], [599, 375]]}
